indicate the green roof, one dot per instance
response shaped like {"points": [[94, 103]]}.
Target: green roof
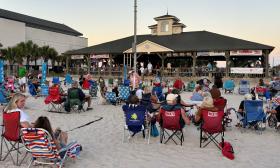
{"points": [[184, 42]]}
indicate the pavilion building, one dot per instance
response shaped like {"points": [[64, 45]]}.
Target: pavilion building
{"points": [[186, 51]]}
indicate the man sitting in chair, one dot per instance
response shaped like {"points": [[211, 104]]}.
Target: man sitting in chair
{"points": [[77, 96]]}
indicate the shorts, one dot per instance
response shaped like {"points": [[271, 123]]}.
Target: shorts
{"points": [[22, 81]]}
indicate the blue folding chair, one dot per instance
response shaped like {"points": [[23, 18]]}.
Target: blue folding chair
{"points": [[111, 97], [244, 87], [32, 89], [124, 92], [134, 120], [229, 86], [254, 114], [68, 79]]}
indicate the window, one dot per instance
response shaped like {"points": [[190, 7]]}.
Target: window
{"points": [[164, 26]]}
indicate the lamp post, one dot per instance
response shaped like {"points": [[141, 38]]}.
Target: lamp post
{"points": [[135, 37]]}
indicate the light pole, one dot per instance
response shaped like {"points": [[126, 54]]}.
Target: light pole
{"points": [[135, 35]]}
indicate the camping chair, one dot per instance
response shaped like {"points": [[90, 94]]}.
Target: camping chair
{"points": [[190, 86], [3, 99], [244, 87], [32, 89], [254, 114], [73, 101], [170, 120], [212, 126], [135, 116], [221, 103], [11, 136], [111, 98], [229, 86], [179, 85], [54, 100], [86, 84], [68, 80], [124, 92], [40, 144]]}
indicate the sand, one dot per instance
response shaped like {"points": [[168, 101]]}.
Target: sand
{"points": [[103, 146]]}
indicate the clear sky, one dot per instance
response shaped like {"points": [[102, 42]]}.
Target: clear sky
{"points": [[105, 20]]}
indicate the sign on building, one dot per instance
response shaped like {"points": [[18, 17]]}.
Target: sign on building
{"points": [[246, 70], [246, 52]]}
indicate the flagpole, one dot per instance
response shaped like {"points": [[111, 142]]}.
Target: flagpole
{"points": [[135, 35]]}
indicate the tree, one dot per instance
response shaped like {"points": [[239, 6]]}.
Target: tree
{"points": [[25, 50], [9, 55]]}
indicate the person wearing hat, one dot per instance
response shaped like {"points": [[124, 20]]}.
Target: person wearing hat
{"points": [[172, 105], [207, 104]]}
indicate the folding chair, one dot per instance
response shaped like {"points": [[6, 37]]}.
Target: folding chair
{"points": [[254, 114], [32, 89], [40, 144], [68, 79], [111, 98], [124, 92], [229, 86], [221, 103], [54, 100], [190, 86], [244, 87], [135, 116], [212, 126], [170, 121], [11, 136]]}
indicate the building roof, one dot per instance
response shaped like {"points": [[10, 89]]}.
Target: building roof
{"points": [[184, 42], [39, 23], [166, 17]]}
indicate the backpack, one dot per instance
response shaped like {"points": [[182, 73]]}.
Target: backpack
{"points": [[227, 150]]}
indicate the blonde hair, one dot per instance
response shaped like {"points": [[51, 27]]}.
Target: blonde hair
{"points": [[12, 103]]}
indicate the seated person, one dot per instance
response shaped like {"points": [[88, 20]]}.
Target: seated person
{"points": [[240, 112], [59, 137], [77, 96], [172, 105], [207, 104], [276, 111], [179, 99]]}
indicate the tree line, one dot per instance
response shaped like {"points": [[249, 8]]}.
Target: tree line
{"points": [[30, 52]]}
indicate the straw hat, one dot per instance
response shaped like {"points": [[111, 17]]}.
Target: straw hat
{"points": [[207, 102], [248, 96], [170, 98]]}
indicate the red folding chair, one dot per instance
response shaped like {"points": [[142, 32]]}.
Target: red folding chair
{"points": [[221, 103], [170, 120], [11, 136], [54, 100], [212, 126]]}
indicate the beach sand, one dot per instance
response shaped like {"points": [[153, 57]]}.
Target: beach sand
{"points": [[103, 146]]}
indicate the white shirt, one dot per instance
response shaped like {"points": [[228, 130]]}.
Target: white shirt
{"points": [[150, 66], [23, 116], [139, 93], [142, 69]]}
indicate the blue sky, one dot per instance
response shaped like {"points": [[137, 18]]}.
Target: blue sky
{"points": [[106, 20]]}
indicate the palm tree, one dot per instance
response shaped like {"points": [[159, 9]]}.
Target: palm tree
{"points": [[9, 55], [26, 50], [48, 53]]}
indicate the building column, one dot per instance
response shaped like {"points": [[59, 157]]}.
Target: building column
{"points": [[194, 57], [88, 63], [130, 60], [266, 58], [110, 67], [67, 63], [227, 55]]}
